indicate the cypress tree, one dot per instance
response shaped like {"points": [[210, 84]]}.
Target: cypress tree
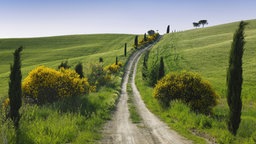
{"points": [[125, 49], [235, 79], [101, 60], [116, 60], [15, 91], [161, 69], [168, 29], [145, 37], [145, 66], [136, 42], [79, 69]]}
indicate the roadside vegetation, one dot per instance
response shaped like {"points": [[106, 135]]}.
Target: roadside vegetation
{"points": [[205, 52], [69, 88], [68, 93]]}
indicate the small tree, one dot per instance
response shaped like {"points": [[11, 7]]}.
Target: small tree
{"points": [[101, 60], [125, 49], [145, 66], [145, 37], [161, 69], [136, 42], [116, 60], [235, 79], [195, 24], [168, 29], [15, 91], [79, 69], [203, 22], [64, 65]]}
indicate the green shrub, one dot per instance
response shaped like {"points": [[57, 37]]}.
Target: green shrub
{"points": [[44, 84], [64, 65], [79, 69], [98, 76], [187, 87]]}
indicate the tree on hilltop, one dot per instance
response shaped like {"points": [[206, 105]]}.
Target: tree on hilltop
{"points": [[203, 22], [168, 29], [196, 25]]}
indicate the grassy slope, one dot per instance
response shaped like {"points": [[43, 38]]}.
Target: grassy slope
{"points": [[206, 51], [76, 120], [51, 51]]}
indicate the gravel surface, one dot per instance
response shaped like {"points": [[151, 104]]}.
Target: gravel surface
{"points": [[120, 130]]}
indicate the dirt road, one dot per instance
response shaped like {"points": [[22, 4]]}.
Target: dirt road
{"points": [[120, 130]]}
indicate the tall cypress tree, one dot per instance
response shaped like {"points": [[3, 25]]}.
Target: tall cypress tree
{"points": [[145, 66], [15, 91], [136, 42], [161, 69], [116, 60], [145, 37], [125, 49], [79, 69], [168, 29], [235, 79]]}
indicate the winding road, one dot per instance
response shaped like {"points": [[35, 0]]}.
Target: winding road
{"points": [[120, 130]]}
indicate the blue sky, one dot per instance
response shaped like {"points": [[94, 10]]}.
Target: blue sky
{"points": [[36, 18]]}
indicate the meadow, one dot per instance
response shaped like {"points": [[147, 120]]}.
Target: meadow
{"points": [[206, 51], [78, 119]]}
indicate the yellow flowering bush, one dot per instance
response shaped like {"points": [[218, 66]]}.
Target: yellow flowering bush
{"points": [[6, 106], [113, 68], [187, 87], [44, 84]]}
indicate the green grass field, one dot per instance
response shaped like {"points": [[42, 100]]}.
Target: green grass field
{"points": [[75, 120], [206, 51], [51, 51]]}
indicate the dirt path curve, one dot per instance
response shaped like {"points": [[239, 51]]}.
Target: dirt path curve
{"points": [[120, 130]]}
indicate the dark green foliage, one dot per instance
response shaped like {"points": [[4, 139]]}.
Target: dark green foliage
{"points": [[235, 79], [116, 60], [187, 87], [145, 37], [15, 91], [161, 69], [101, 60], [97, 76], [79, 69], [168, 29], [125, 49], [64, 65], [136, 42], [151, 32], [153, 74], [145, 66], [195, 24], [203, 22]]}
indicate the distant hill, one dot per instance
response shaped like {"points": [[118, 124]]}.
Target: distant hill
{"points": [[206, 51], [51, 51]]}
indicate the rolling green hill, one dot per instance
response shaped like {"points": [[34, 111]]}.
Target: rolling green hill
{"points": [[77, 119], [206, 51], [51, 51]]}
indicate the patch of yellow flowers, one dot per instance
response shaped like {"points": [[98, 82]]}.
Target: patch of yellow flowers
{"points": [[46, 84], [113, 68]]}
